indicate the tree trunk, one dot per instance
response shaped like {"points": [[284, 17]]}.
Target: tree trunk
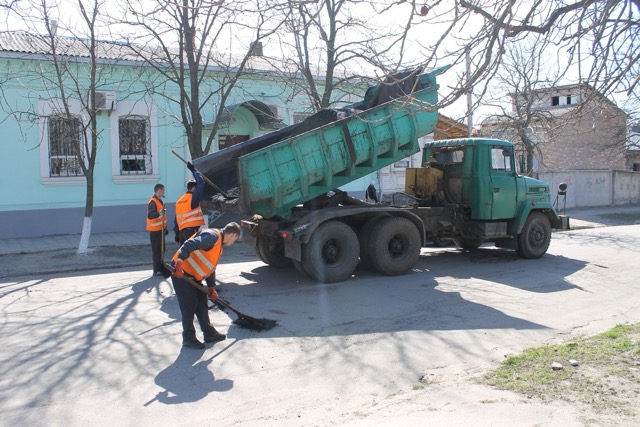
{"points": [[83, 247]]}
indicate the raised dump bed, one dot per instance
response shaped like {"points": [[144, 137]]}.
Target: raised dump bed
{"points": [[275, 172]]}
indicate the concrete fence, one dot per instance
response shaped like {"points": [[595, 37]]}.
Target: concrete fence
{"points": [[587, 188]]}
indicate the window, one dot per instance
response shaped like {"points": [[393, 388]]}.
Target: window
{"points": [[449, 156], [225, 141], [133, 134], [558, 101], [501, 158], [402, 164], [65, 138], [135, 145]]}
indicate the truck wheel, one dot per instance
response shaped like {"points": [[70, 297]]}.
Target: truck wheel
{"points": [[394, 246], [535, 237], [332, 253], [272, 253], [364, 235], [470, 243], [256, 249]]}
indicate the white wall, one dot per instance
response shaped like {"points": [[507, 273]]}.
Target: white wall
{"points": [[595, 188]]}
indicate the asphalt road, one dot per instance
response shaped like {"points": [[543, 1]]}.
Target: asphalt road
{"points": [[103, 347]]}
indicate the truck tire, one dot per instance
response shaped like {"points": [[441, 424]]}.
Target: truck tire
{"points": [[332, 253], [272, 253], [535, 237], [364, 235], [256, 249], [470, 243], [394, 246]]}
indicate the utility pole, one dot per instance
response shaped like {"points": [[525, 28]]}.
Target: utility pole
{"points": [[469, 95]]}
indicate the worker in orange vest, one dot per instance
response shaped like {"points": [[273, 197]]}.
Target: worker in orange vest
{"points": [[189, 216], [157, 227], [197, 259]]}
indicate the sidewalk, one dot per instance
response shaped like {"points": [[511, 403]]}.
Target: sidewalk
{"points": [[71, 241], [601, 216]]}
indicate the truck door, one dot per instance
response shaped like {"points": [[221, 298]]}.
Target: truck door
{"points": [[503, 183]]}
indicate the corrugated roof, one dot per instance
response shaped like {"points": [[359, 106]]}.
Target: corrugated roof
{"points": [[23, 42]]}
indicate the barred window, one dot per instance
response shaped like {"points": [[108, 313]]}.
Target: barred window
{"points": [[65, 139], [135, 145]]}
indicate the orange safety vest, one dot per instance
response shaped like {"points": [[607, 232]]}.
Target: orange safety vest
{"points": [[201, 263], [185, 216], [155, 224]]}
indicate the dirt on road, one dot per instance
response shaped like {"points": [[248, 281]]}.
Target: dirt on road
{"points": [[105, 257]]}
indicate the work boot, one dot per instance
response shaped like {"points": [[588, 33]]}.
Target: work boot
{"points": [[214, 336], [192, 343]]}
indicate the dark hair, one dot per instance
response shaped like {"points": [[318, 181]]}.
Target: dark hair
{"points": [[232, 228], [157, 187], [191, 184]]}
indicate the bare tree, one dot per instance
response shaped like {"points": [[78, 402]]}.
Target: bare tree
{"points": [[67, 77], [330, 42], [522, 74], [560, 126], [601, 36], [184, 41]]}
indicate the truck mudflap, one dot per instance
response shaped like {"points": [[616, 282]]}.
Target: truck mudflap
{"points": [[561, 222]]}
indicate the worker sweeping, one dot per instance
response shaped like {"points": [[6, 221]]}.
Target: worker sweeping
{"points": [[197, 259]]}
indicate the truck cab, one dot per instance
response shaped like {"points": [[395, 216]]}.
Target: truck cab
{"points": [[483, 196]]}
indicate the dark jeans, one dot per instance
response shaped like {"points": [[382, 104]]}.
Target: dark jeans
{"points": [[157, 250], [192, 302], [185, 233]]}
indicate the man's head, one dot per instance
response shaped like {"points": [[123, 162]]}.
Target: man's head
{"points": [[158, 190], [231, 233], [191, 184], [372, 183]]}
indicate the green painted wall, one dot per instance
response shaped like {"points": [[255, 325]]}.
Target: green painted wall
{"points": [[33, 206]]}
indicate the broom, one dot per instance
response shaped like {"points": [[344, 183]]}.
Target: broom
{"points": [[243, 320]]}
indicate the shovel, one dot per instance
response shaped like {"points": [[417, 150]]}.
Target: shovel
{"points": [[207, 180], [243, 320], [166, 273]]}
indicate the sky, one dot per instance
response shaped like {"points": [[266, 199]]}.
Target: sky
{"points": [[391, 18]]}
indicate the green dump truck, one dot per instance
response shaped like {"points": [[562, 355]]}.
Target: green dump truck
{"points": [[467, 190]]}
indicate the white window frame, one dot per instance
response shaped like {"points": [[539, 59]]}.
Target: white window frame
{"points": [[402, 165], [146, 157], [140, 109], [55, 107]]}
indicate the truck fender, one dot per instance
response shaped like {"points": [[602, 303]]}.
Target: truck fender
{"points": [[528, 207]]}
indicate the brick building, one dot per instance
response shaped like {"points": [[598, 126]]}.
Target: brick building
{"points": [[572, 127]]}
